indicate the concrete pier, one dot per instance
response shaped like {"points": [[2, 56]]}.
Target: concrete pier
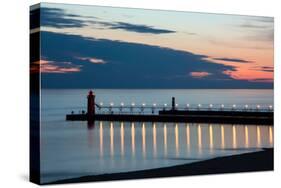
{"points": [[174, 114], [246, 118]]}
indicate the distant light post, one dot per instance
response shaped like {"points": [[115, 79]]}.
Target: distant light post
{"points": [[110, 108], [222, 107], [132, 107], [153, 107], [142, 107], [100, 105], [121, 107], [210, 106], [270, 107], [258, 107], [246, 107], [165, 105]]}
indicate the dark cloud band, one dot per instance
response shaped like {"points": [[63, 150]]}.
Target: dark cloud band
{"points": [[232, 60], [55, 17]]}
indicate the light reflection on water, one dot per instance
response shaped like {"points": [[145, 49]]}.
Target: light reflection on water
{"points": [[101, 139], [270, 136], [188, 138], [234, 142], [127, 146], [143, 140], [238, 137]]}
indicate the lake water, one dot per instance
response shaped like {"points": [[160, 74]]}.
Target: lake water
{"points": [[74, 149]]}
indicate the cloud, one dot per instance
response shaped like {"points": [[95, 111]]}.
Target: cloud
{"points": [[218, 42], [199, 74], [264, 68], [128, 15], [264, 80], [232, 60], [55, 17], [139, 28], [55, 67], [190, 33], [266, 35], [263, 19], [267, 68], [253, 26], [133, 65], [92, 60], [260, 29]]}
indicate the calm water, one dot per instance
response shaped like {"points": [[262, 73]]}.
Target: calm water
{"points": [[72, 149]]}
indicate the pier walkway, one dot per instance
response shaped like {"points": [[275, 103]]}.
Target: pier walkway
{"points": [[175, 113]]}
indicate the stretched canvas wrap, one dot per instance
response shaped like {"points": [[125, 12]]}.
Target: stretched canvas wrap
{"points": [[121, 93]]}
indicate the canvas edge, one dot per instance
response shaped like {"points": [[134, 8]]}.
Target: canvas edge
{"points": [[34, 93]]}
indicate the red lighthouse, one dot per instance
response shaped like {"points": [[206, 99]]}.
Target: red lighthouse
{"points": [[91, 105]]}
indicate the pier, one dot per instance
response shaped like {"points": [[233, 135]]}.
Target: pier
{"points": [[174, 113]]}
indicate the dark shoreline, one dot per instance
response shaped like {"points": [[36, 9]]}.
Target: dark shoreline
{"points": [[247, 162]]}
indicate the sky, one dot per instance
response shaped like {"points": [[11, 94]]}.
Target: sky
{"points": [[107, 47]]}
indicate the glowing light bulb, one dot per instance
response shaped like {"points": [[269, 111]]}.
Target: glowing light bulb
{"points": [[122, 104], [165, 105], [270, 106]]}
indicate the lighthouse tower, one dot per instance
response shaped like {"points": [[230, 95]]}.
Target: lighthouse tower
{"points": [[91, 105], [173, 103]]}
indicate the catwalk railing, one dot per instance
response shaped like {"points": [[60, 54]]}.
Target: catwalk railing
{"points": [[154, 109], [200, 114]]}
